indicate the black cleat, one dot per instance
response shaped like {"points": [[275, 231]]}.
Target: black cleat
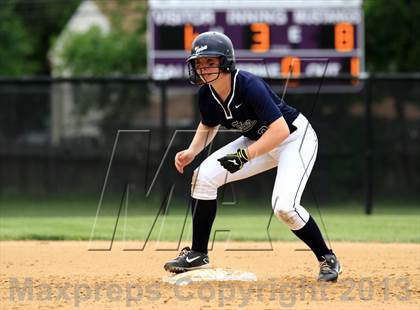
{"points": [[187, 260], [330, 268]]}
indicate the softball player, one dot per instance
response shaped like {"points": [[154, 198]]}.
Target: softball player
{"points": [[273, 135]]}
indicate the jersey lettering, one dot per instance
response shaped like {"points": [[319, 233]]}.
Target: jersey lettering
{"points": [[244, 126], [262, 130]]}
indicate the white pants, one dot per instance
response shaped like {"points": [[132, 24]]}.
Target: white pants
{"points": [[294, 159]]}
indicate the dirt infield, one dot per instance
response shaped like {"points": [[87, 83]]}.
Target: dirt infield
{"points": [[65, 275]]}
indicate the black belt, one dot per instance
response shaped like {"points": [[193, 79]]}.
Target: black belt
{"points": [[292, 128]]}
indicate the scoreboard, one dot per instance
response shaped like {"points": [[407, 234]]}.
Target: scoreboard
{"points": [[271, 38]]}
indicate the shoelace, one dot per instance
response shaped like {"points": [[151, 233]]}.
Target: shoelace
{"points": [[325, 266], [184, 251]]}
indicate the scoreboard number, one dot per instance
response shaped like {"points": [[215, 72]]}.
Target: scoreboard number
{"points": [[290, 66], [354, 66], [344, 37], [260, 37], [189, 36]]}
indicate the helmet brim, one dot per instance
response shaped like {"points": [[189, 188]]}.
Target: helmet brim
{"points": [[201, 55]]}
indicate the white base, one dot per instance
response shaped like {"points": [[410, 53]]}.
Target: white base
{"points": [[217, 274]]}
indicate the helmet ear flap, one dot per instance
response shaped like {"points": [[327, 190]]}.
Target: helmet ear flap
{"points": [[227, 64], [192, 74], [224, 64]]}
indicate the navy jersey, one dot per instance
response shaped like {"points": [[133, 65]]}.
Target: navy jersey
{"points": [[250, 107]]}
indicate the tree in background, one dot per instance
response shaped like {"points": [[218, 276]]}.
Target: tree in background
{"points": [[120, 52], [43, 21], [97, 54], [392, 30], [16, 44]]}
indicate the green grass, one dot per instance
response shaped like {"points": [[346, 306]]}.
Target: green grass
{"points": [[73, 218]]}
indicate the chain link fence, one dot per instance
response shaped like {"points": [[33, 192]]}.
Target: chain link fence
{"points": [[59, 135]]}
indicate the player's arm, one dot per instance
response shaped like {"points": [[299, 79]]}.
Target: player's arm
{"points": [[276, 133], [203, 136]]}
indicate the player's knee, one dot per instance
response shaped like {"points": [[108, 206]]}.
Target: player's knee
{"points": [[281, 208], [202, 186], [290, 218], [281, 204], [293, 216]]}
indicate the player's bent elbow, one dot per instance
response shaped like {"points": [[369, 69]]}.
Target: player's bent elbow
{"points": [[280, 128], [283, 133], [286, 131]]}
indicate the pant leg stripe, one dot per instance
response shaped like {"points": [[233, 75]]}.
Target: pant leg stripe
{"points": [[300, 183]]}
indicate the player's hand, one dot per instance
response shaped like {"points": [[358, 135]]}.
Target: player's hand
{"points": [[183, 159], [234, 162]]}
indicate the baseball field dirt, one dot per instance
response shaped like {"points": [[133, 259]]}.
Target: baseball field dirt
{"points": [[65, 275]]}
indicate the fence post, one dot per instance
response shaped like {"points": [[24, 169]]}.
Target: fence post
{"points": [[163, 135], [369, 146], [163, 116]]}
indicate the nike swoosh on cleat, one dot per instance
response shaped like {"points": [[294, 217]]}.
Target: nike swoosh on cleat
{"points": [[192, 259]]}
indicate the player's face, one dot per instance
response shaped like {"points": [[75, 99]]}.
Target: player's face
{"points": [[208, 68]]}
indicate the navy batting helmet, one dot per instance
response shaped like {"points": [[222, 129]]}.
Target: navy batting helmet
{"points": [[211, 44]]}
